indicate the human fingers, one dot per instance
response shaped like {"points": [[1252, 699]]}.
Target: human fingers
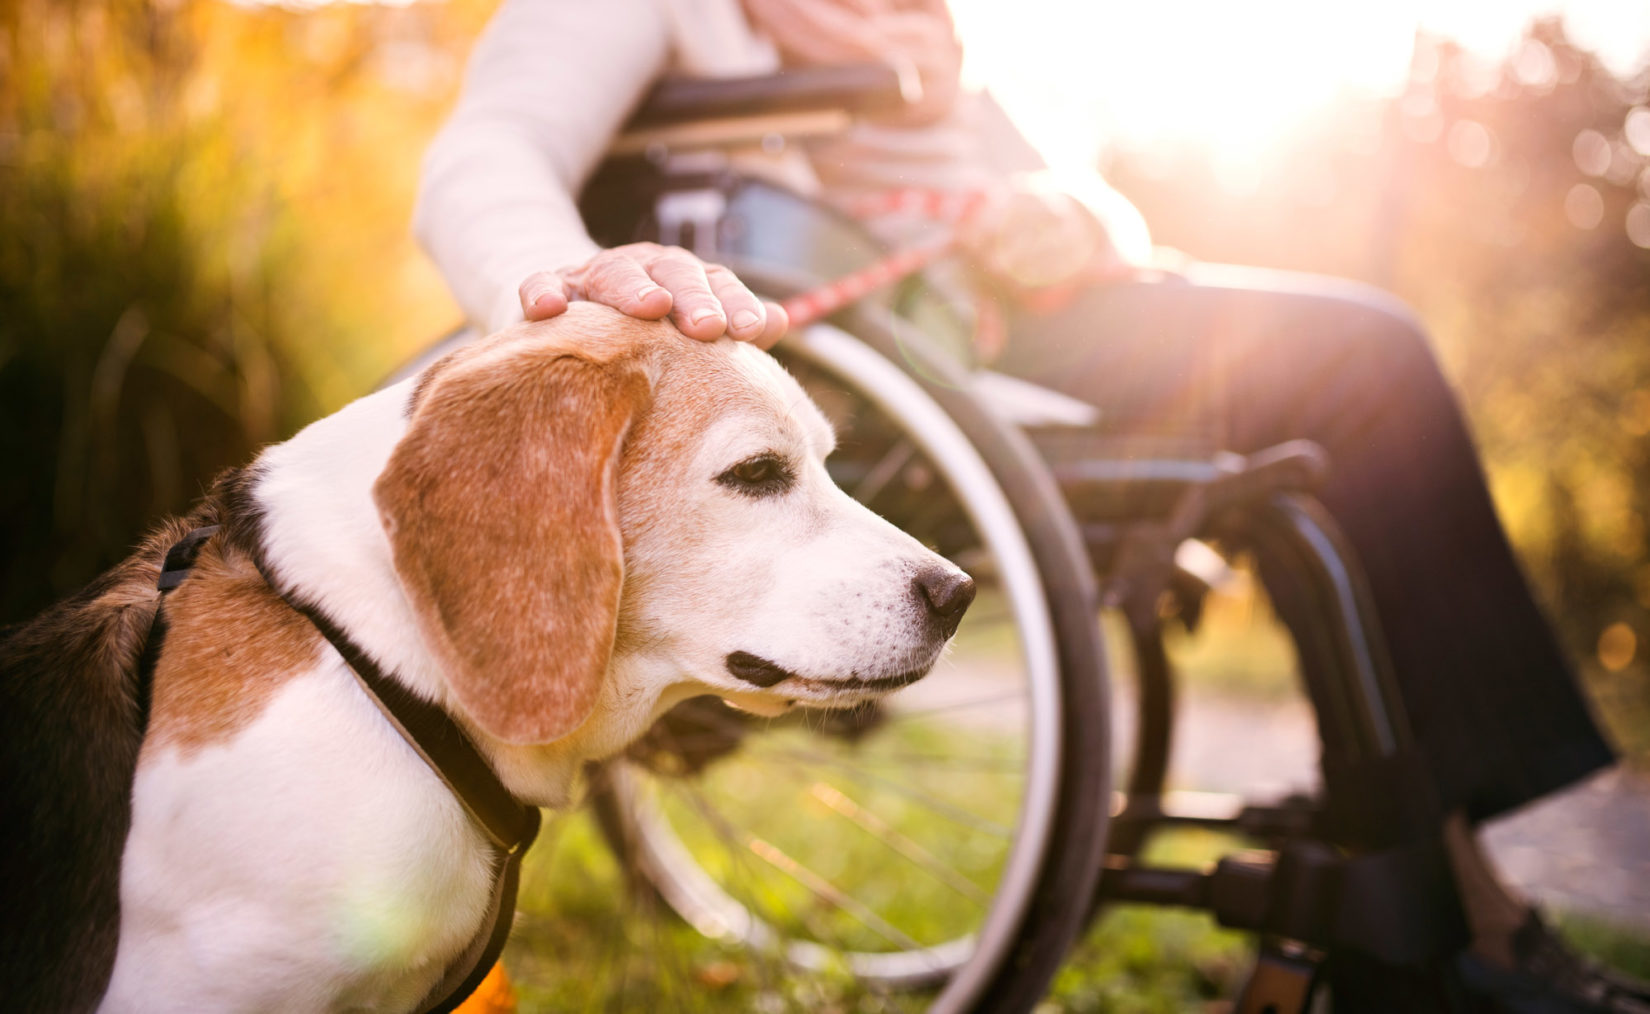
{"points": [[543, 295], [928, 40], [928, 45], [695, 310], [812, 32], [619, 278], [777, 322], [746, 315]]}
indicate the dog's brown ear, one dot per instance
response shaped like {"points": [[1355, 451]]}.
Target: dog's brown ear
{"points": [[501, 508]]}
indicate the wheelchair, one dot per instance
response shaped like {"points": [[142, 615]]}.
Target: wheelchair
{"points": [[974, 826]]}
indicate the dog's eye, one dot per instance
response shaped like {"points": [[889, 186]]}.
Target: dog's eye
{"points": [[762, 475]]}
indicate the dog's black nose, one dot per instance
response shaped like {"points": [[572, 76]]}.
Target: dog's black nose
{"points": [[948, 592]]}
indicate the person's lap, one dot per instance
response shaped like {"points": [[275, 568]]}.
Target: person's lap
{"points": [[1251, 358]]}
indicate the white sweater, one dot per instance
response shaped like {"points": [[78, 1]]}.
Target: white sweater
{"points": [[548, 86]]}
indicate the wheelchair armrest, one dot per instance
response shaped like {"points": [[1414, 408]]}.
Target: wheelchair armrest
{"points": [[1029, 405], [859, 89]]}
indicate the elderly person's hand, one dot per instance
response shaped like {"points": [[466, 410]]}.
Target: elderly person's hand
{"points": [[1037, 233], [646, 280], [913, 36]]}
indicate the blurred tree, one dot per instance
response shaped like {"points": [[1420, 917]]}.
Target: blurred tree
{"points": [[203, 244], [137, 353], [1515, 239], [1501, 201]]}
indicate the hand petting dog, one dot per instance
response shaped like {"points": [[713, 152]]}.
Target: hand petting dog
{"points": [[651, 282]]}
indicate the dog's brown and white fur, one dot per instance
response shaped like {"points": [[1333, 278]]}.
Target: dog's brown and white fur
{"points": [[556, 533]]}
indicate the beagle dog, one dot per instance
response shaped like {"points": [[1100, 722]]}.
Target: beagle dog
{"points": [[553, 535]]}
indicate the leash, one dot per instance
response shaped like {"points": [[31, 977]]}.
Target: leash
{"points": [[509, 825], [954, 209], [951, 207]]}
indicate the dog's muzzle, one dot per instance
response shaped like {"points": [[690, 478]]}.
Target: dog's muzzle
{"points": [[943, 594]]}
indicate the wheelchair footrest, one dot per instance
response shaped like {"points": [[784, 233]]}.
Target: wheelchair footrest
{"points": [[1398, 905]]}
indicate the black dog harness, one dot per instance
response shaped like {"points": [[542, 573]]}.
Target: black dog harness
{"points": [[508, 824]]}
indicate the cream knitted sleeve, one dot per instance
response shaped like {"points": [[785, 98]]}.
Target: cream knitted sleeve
{"points": [[548, 85]]}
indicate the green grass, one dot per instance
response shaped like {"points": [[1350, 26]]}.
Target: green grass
{"points": [[587, 940], [793, 808], [1139, 960], [581, 943], [1623, 948]]}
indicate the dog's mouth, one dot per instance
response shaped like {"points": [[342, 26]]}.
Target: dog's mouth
{"points": [[756, 670], [760, 672]]}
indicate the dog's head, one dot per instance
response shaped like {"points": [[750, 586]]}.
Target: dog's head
{"points": [[596, 489]]}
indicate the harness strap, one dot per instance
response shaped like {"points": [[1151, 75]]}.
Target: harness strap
{"points": [[509, 825], [434, 736], [464, 975]]}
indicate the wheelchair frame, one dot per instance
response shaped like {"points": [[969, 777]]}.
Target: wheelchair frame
{"points": [[1358, 883]]}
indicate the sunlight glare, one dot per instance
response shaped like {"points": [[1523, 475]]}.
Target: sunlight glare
{"points": [[1081, 75], [1232, 77]]}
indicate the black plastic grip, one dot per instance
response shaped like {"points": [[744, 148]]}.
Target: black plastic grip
{"points": [[860, 88]]}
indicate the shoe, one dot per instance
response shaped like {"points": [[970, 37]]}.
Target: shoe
{"points": [[1549, 978]]}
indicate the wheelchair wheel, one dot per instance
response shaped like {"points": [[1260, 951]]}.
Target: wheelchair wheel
{"points": [[951, 836]]}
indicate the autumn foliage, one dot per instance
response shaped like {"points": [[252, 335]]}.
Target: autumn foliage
{"points": [[203, 244]]}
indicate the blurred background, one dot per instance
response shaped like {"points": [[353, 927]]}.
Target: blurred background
{"points": [[204, 241], [1488, 160], [204, 244]]}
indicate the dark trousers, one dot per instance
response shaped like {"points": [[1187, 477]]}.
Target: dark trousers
{"points": [[1253, 358]]}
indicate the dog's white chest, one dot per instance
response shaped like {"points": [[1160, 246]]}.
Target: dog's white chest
{"points": [[311, 863]]}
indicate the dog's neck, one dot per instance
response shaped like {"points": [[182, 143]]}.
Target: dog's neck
{"points": [[324, 542]]}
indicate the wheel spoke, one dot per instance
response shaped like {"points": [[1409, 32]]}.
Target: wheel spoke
{"points": [[830, 893], [816, 884], [956, 813], [880, 829], [883, 472], [735, 841], [903, 715], [947, 762]]}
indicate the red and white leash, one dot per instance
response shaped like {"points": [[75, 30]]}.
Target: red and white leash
{"points": [[953, 207], [816, 304]]}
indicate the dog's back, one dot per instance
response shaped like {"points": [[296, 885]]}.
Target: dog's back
{"points": [[71, 723]]}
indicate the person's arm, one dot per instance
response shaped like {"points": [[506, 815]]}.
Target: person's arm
{"points": [[549, 84]]}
